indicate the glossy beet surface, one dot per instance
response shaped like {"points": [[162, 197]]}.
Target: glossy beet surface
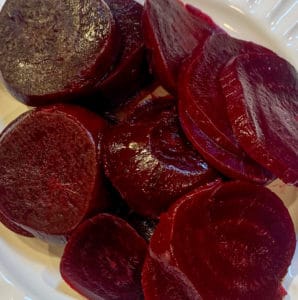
{"points": [[237, 241], [262, 102], [103, 259], [56, 52], [49, 169], [126, 74], [172, 31], [231, 164], [149, 160], [200, 87]]}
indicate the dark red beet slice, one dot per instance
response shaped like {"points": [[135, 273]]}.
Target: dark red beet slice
{"points": [[50, 177], [237, 244], [160, 283], [56, 52], [262, 102], [149, 160], [232, 165], [128, 71], [13, 227], [201, 89], [103, 259], [161, 279], [172, 31]]}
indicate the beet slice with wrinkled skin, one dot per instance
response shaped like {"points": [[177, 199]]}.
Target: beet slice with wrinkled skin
{"points": [[262, 102], [129, 70], [201, 89], [103, 259], [13, 227], [230, 164], [149, 160], [50, 177], [57, 52], [172, 31], [237, 244]]}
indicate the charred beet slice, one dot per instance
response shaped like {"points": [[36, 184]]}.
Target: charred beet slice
{"points": [[56, 52], [238, 243], [149, 160], [231, 164], [172, 31], [129, 70], [50, 177], [103, 259], [262, 102], [13, 227], [200, 86]]}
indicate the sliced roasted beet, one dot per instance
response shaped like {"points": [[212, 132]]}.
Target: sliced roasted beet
{"points": [[149, 160], [56, 52], [103, 259], [128, 70], [201, 90], [172, 31], [160, 283], [231, 164], [237, 244], [262, 102], [13, 227], [50, 177]]}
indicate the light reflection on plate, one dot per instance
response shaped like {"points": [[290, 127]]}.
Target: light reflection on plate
{"points": [[29, 269]]}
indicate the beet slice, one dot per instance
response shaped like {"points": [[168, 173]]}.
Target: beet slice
{"points": [[201, 89], [103, 259], [50, 177], [129, 70], [231, 164], [161, 279], [237, 244], [149, 160], [172, 31], [262, 102], [13, 227], [57, 52]]}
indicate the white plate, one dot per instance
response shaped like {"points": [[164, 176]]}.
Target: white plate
{"points": [[29, 269]]}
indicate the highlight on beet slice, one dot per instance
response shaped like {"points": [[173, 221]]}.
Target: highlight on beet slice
{"points": [[50, 177], [262, 102], [103, 259], [57, 52], [172, 31], [236, 245], [149, 160], [230, 164], [201, 90], [129, 69], [13, 227]]}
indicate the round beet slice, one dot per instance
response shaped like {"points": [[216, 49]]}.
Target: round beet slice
{"points": [[103, 259], [161, 283], [200, 86], [149, 160], [128, 71], [172, 31], [262, 102], [13, 227], [229, 163], [56, 52], [50, 177], [237, 244]]}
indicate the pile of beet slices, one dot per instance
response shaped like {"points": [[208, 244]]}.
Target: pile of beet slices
{"points": [[158, 195]]}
